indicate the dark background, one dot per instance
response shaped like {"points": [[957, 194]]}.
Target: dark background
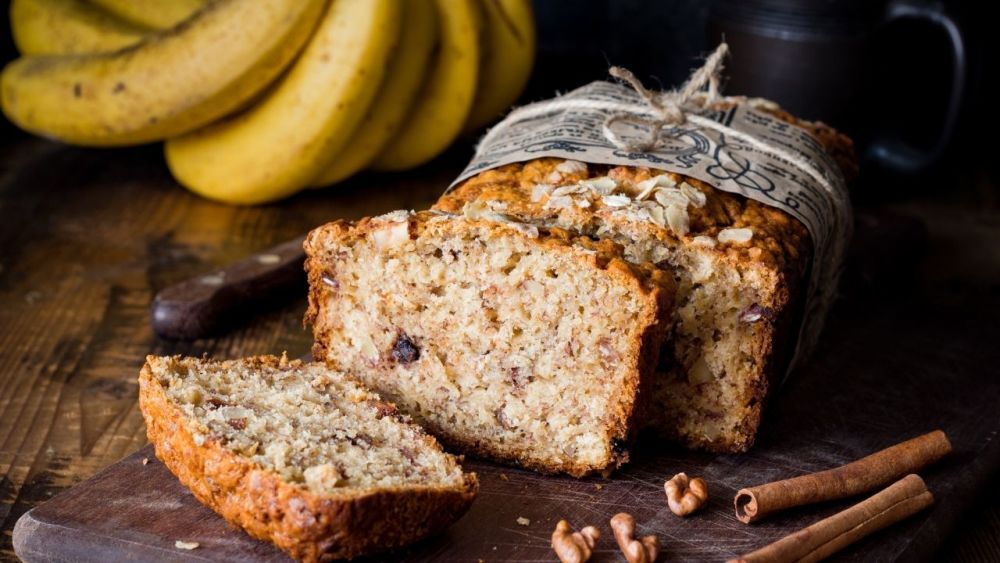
{"points": [[905, 82]]}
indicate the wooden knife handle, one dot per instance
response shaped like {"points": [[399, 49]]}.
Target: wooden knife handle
{"points": [[214, 302]]}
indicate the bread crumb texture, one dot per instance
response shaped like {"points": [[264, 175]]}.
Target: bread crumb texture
{"points": [[729, 255], [300, 455], [506, 340]]}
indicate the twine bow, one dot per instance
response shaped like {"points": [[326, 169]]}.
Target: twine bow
{"points": [[667, 106]]}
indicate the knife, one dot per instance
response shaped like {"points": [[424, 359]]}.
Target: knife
{"points": [[214, 302]]}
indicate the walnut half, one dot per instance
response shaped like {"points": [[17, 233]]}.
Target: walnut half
{"points": [[685, 495], [574, 547], [635, 550]]}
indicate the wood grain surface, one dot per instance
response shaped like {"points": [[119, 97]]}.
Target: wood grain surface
{"points": [[87, 238]]}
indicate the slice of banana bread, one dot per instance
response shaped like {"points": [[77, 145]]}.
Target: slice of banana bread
{"points": [[300, 455], [517, 343], [740, 266]]}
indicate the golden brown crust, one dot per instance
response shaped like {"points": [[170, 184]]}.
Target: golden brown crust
{"points": [[309, 527], [656, 286], [779, 239]]}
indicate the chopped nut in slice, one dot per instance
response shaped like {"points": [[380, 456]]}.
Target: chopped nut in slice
{"points": [[735, 235], [635, 550], [322, 478], [685, 495], [396, 216], [391, 235], [574, 547]]}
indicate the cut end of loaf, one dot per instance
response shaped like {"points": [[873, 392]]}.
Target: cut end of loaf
{"points": [[299, 454], [311, 426], [736, 296], [505, 340]]}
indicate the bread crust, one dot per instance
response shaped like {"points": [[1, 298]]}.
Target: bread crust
{"points": [[307, 526], [655, 286]]}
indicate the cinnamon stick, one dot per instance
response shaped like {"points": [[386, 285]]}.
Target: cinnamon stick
{"points": [[826, 537], [861, 476]]}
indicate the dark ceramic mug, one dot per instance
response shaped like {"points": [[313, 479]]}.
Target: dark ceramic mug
{"points": [[825, 59]]}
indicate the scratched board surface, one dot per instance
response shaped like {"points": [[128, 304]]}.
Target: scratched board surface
{"points": [[887, 370]]}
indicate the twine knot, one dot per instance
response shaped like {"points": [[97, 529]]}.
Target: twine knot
{"points": [[668, 107]]}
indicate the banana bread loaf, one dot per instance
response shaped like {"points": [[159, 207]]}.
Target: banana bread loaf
{"points": [[740, 267], [300, 455], [515, 342]]}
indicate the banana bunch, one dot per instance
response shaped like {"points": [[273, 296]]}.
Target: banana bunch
{"points": [[258, 99]]}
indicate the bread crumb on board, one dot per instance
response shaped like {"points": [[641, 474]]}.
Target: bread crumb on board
{"points": [[186, 544], [145, 460], [523, 521]]}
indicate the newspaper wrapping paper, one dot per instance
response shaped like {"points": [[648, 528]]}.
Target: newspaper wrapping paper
{"points": [[572, 129]]}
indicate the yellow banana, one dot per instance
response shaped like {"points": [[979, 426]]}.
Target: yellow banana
{"points": [[286, 138], [170, 83], [443, 103], [507, 59], [403, 79], [154, 14], [56, 27]]}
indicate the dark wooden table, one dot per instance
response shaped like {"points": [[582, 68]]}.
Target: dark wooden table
{"points": [[87, 237]]}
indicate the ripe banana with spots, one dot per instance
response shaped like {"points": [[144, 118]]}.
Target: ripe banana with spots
{"points": [[443, 104], [280, 144], [404, 76], [56, 27], [260, 98], [154, 14], [169, 84], [508, 57]]}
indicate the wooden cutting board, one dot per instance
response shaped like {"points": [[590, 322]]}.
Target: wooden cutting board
{"points": [[882, 376], [892, 366]]}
